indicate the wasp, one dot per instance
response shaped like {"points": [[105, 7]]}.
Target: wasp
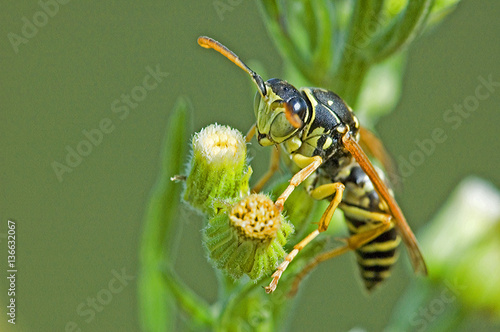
{"points": [[321, 135]]}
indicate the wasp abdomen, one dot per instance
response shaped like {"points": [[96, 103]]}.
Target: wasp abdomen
{"points": [[360, 202], [376, 258]]}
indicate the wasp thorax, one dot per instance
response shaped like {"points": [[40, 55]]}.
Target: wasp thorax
{"points": [[256, 217]]}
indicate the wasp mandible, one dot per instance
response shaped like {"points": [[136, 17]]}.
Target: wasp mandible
{"points": [[321, 135]]}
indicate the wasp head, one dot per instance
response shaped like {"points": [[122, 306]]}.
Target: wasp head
{"points": [[280, 112]]}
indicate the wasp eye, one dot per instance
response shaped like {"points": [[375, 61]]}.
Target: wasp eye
{"points": [[298, 106]]}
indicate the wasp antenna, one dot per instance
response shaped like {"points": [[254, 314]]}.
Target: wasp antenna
{"points": [[207, 42]]}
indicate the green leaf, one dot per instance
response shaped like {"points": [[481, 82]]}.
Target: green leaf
{"points": [[403, 29], [353, 65], [157, 308]]}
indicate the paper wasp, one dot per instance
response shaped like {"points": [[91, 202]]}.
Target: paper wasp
{"points": [[320, 133]]}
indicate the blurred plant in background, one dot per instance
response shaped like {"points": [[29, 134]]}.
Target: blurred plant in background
{"points": [[462, 249], [358, 50], [355, 48]]}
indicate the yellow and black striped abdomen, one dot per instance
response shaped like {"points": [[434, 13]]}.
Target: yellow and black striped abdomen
{"points": [[359, 203], [375, 258]]}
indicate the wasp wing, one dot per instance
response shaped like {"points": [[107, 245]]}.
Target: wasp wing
{"points": [[373, 146], [409, 239]]}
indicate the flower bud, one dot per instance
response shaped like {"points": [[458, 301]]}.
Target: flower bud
{"points": [[247, 238], [218, 168]]}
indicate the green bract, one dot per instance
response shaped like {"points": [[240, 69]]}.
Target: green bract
{"points": [[218, 167], [248, 238]]}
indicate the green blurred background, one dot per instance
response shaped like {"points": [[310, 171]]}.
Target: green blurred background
{"points": [[63, 80]]}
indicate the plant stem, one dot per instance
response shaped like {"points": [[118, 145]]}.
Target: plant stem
{"points": [[194, 305], [322, 55], [353, 66]]}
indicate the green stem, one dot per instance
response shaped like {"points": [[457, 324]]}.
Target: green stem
{"points": [[231, 285], [353, 66], [226, 288], [229, 305], [322, 56], [189, 301]]}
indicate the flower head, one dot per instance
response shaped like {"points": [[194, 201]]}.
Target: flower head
{"points": [[248, 237], [218, 168]]}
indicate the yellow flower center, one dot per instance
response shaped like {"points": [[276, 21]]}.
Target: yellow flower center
{"points": [[256, 217]]}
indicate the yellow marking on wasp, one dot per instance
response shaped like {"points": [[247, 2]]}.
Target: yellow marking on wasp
{"points": [[317, 132], [343, 173], [382, 246], [356, 121], [302, 161], [342, 129], [373, 274], [314, 104], [377, 261], [328, 143], [313, 141], [330, 103], [366, 215], [361, 228], [293, 144], [365, 202]]}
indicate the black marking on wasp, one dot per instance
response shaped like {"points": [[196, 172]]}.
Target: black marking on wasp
{"points": [[320, 133]]}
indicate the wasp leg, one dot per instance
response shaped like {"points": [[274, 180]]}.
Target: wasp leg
{"points": [[352, 243], [274, 165], [318, 193], [309, 165]]}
